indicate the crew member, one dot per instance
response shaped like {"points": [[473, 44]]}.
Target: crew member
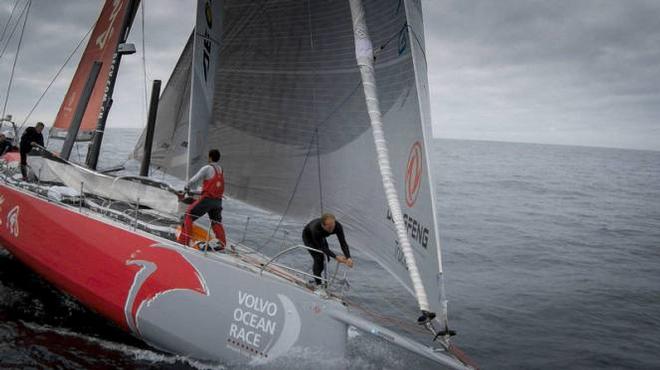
{"points": [[314, 236], [6, 145], [213, 187], [31, 137]]}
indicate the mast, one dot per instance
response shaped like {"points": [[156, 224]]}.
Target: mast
{"points": [[122, 49], [365, 61], [151, 125], [80, 110]]}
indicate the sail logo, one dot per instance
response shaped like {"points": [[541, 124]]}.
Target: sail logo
{"points": [[416, 229], [206, 57], [162, 269], [12, 221], [414, 172], [103, 37]]}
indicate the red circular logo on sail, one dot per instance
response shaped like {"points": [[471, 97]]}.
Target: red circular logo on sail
{"points": [[414, 173]]}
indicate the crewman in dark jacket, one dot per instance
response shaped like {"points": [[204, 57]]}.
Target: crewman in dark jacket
{"points": [[5, 144], [31, 136], [314, 236]]}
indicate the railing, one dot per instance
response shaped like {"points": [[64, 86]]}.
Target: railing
{"points": [[343, 283], [129, 216]]}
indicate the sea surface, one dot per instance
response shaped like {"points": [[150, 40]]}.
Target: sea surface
{"points": [[551, 258]]}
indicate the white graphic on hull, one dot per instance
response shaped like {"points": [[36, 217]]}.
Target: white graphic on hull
{"points": [[2, 200], [290, 329], [187, 277], [12, 221], [147, 269]]}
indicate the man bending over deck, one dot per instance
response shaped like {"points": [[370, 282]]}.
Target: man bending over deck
{"points": [[213, 187], [314, 236]]}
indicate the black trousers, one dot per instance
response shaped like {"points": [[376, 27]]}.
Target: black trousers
{"points": [[207, 205], [24, 164], [318, 256]]}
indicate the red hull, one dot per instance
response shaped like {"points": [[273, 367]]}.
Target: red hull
{"points": [[86, 257]]}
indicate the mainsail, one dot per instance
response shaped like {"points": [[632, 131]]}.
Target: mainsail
{"points": [[290, 119], [108, 33]]}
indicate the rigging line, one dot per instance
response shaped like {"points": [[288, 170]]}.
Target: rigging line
{"points": [[318, 165], [18, 49], [14, 29], [11, 15], [293, 193], [57, 75], [302, 170], [396, 35], [144, 67], [309, 24], [78, 151], [419, 42]]}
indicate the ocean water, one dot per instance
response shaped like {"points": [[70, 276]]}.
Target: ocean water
{"points": [[551, 257]]}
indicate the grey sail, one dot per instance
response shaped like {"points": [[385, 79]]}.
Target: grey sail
{"points": [[207, 44], [170, 143], [290, 119]]}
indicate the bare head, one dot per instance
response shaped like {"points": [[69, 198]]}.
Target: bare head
{"points": [[214, 155], [328, 222], [39, 127]]}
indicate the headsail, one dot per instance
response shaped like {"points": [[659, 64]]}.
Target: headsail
{"points": [[186, 105], [108, 33], [170, 143], [291, 122], [364, 55]]}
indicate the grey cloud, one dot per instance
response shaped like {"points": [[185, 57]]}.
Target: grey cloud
{"points": [[574, 72], [53, 30], [546, 71]]}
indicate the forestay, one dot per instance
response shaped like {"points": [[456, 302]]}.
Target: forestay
{"points": [[290, 119]]}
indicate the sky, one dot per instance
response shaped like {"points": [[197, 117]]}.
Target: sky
{"points": [[579, 72]]}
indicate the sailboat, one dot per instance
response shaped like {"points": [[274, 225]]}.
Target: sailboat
{"points": [[316, 106]]}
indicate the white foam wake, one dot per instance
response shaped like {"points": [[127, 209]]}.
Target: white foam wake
{"points": [[134, 352]]}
